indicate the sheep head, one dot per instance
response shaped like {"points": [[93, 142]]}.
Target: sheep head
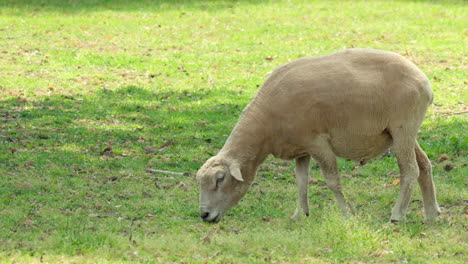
{"points": [[221, 187]]}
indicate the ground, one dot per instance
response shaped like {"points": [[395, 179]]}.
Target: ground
{"points": [[95, 93]]}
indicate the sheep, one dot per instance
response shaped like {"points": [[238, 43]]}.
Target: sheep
{"points": [[354, 104]]}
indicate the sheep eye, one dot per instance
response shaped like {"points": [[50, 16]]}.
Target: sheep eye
{"points": [[219, 178]]}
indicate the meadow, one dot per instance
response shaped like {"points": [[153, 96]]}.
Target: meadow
{"points": [[95, 94]]}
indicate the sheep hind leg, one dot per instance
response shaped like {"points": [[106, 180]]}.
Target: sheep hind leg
{"points": [[431, 208], [302, 181], [329, 169], [404, 149]]}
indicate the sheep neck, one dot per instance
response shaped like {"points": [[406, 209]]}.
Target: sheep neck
{"points": [[247, 143]]}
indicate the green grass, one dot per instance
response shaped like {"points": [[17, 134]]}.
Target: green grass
{"points": [[92, 93]]}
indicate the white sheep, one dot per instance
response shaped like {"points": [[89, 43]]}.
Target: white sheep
{"points": [[353, 104]]}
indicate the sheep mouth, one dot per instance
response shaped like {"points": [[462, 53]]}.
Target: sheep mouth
{"points": [[214, 219], [217, 218]]}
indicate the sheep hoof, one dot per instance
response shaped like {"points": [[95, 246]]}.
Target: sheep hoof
{"points": [[296, 215], [431, 219], [432, 215]]}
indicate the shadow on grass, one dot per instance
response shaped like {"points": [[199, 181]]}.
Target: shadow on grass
{"points": [[121, 5], [130, 119], [148, 121], [71, 6]]}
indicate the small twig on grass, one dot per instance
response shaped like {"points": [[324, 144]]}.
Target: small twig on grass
{"points": [[454, 113], [130, 238], [167, 172]]}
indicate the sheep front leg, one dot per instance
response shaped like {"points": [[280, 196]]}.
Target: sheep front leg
{"points": [[302, 181], [329, 168]]}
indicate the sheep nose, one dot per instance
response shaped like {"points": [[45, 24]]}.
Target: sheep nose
{"points": [[204, 215]]}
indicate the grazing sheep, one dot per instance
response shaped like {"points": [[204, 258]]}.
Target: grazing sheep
{"points": [[353, 104]]}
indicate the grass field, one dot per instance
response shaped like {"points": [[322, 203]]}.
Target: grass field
{"points": [[93, 93]]}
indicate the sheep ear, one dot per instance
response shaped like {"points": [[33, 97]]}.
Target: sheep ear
{"points": [[235, 171]]}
